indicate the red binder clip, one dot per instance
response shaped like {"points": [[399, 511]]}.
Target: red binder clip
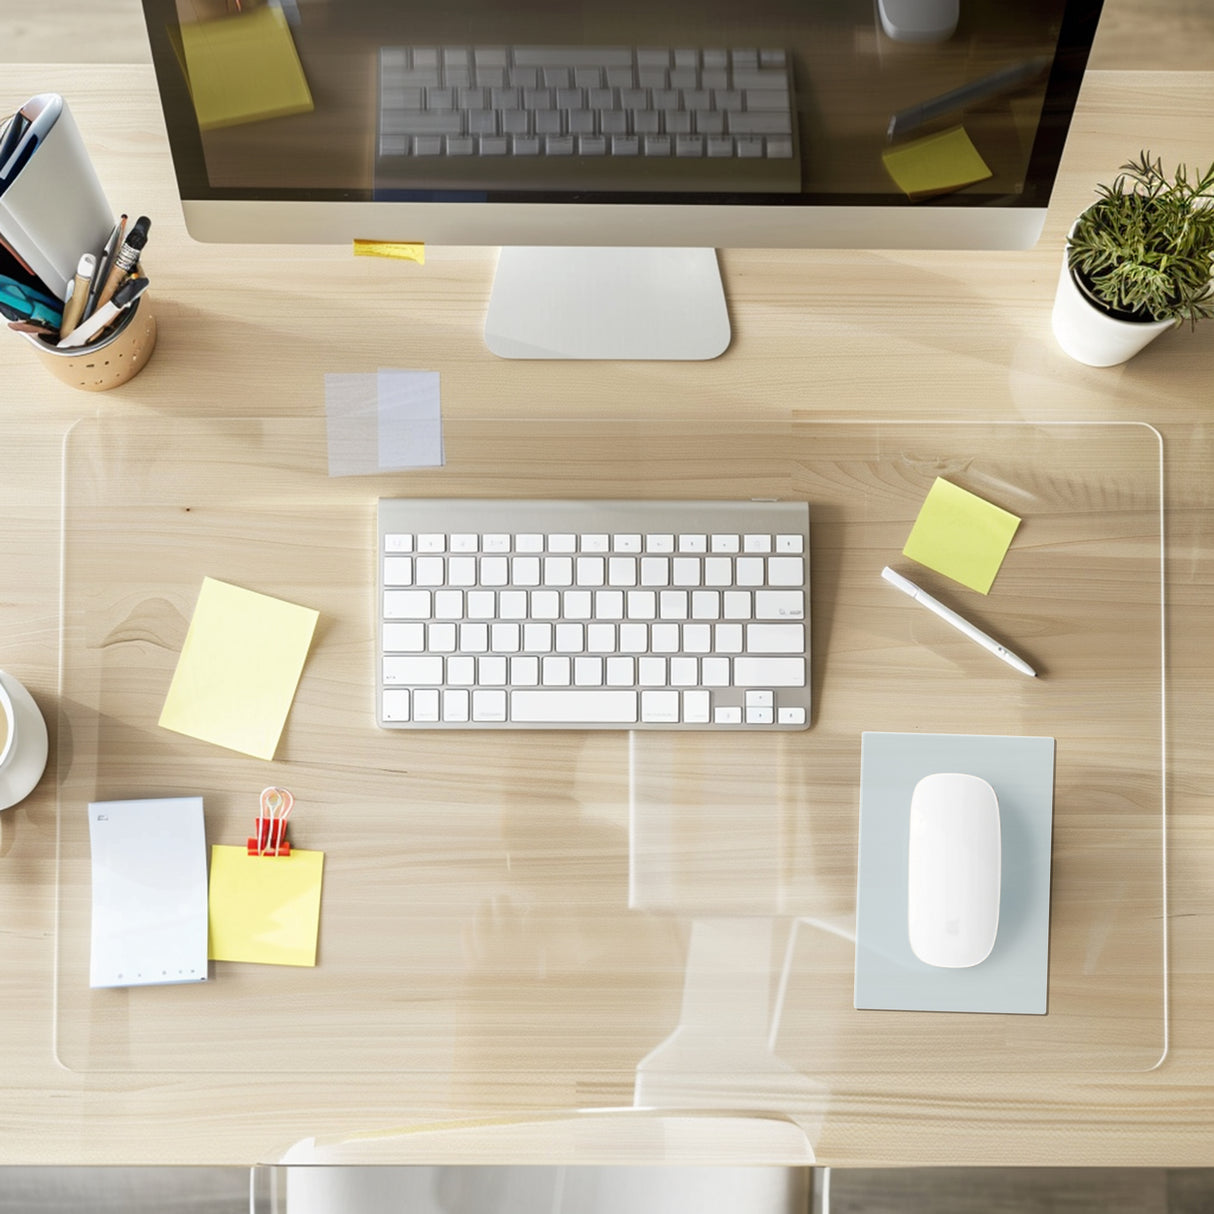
{"points": [[271, 837]]}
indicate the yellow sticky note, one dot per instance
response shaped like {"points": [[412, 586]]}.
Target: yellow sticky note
{"points": [[935, 164], [239, 668], [398, 250], [961, 535], [243, 68], [264, 908]]}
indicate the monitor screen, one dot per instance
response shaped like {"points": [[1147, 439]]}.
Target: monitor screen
{"points": [[774, 123]]}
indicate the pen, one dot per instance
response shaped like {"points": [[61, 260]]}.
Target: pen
{"points": [[1002, 81], [103, 263], [951, 617], [77, 293], [103, 316], [126, 259]]}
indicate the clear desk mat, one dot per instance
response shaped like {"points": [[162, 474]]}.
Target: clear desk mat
{"points": [[669, 906]]}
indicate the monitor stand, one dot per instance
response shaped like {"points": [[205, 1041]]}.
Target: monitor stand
{"points": [[607, 303]]}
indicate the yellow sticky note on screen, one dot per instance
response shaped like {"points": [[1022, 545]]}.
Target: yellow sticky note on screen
{"points": [[243, 68], [935, 164], [264, 908], [239, 668], [961, 535], [394, 249]]}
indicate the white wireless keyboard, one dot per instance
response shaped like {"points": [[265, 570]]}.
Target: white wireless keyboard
{"points": [[592, 614], [587, 118]]}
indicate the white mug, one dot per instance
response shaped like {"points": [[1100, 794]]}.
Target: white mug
{"points": [[23, 742]]}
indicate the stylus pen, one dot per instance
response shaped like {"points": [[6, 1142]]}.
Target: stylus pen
{"points": [[961, 625], [1003, 81]]}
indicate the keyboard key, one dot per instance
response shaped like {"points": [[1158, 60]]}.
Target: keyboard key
{"points": [[608, 706], [786, 571], [655, 571], [685, 571], [398, 571], [404, 638], [659, 706], [491, 670], [769, 672], [775, 638], [622, 571], [525, 670], [556, 671], [461, 671], [407, 604], [728, 639], [779, 604], [488, 705], [588, 671], [750, 571]]}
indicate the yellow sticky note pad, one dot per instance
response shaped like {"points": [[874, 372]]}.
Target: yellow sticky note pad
{"points": [[243, 68], [239, 668], [961, 536], [935, 164], [397, 250], [264, 908]]}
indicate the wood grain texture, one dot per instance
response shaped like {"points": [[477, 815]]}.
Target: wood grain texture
{"points": [[822, 335]]}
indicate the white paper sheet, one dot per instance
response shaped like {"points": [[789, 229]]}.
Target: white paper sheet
{"points": [[149, 892]]}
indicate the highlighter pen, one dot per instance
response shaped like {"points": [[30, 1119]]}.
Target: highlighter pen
{"points": [[1004, 81], [77, 293], [961, 625], [126, 259]]}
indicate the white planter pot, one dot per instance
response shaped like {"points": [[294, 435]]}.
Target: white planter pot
{"points": [[1091, 336]]}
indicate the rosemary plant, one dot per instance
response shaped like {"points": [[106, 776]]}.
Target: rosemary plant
{"points": [[1145, 249]]}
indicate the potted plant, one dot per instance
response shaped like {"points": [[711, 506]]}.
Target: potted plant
{"points": [[1138, 261]]}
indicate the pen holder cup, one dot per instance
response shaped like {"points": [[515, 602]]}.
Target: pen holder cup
{"points": [[117, 357]]}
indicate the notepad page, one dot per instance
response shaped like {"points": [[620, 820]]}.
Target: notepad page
{"points": [[149, 923]]}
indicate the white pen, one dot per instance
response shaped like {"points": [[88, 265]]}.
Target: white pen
{"points": [[951, 617], [105, 315]]}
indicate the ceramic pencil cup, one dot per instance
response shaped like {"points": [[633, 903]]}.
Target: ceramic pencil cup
{"points": [[119, 355]]}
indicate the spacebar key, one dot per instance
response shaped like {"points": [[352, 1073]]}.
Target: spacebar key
{"points": [[573, 706]]}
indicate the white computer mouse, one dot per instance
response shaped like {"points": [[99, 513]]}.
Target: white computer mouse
{"points": [[919, 20], [955, 866]]}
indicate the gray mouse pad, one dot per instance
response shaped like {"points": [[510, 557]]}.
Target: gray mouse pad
{"points": [[1014, 977]]}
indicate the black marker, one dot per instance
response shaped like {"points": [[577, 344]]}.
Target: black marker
{"points": [[126, 259]]}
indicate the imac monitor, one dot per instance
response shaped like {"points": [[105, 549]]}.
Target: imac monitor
{"points": [[610, 149]]}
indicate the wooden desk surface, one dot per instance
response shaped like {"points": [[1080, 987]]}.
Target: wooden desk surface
{"points": [[829, 335]]}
